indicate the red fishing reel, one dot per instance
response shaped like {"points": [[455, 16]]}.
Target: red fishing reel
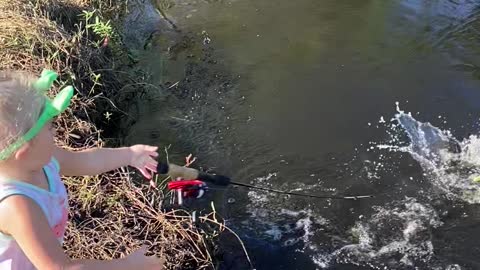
{"points": [[187, 189]]}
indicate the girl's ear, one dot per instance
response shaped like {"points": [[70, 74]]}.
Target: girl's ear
{"points": [[23, 151]]}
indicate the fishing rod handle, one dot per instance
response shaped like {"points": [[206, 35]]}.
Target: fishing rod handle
{"points": [[176, 171]]}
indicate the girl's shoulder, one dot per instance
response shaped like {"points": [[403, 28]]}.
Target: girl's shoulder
{"points": [[15, 205]]}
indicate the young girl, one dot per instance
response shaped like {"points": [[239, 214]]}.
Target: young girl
{"points": [[33, 200]]}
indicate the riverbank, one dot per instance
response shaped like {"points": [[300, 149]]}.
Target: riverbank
{"points": [[111, 214]]}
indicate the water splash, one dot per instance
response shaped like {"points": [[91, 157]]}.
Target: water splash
{"points": [[448, 163], [429, 144], [397, 235]]}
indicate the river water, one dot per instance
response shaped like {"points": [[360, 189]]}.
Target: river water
{"points": [[301, 96]]}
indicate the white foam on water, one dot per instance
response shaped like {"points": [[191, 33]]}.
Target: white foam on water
{"points": [[265, 179], [291, 213], [275, 232], [259, 197], [398, 233], [305, 224], [291, 228], [299, 186], [322, 260], [296, 222], [453, 267]]}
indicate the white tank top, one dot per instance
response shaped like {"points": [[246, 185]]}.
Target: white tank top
{"points": [[53, 202]]}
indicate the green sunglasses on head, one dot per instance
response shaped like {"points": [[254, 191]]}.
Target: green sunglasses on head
{"points": [[51, 109]]}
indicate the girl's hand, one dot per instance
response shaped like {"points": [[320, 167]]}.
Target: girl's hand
{"points": [[138, 260], [142, 158]]}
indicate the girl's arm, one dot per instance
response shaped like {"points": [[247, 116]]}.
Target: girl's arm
{"points": [[23, 219], [99, 160]]}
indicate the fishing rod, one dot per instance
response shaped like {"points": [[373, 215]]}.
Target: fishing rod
{"points": [[196, 187], [303, 194]]}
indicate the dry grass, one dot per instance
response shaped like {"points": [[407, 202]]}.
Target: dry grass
{"points": [[118, 216], [110, 214]]}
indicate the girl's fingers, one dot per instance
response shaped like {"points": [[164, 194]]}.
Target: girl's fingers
{"points": [[152, 161], [153, 184], [143, 161], [152, 148], [142, 250], [153, 154], [145, 173], [151, 167]]}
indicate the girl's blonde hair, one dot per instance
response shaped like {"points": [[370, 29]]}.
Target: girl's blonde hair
{"points": [[20, 106]]}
